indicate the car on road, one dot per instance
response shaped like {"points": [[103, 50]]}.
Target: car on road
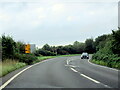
{"points": [[85, 55]]}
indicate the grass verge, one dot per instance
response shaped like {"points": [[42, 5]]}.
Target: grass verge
{"points": [[108, 64], [41, 58], [9, 65]]}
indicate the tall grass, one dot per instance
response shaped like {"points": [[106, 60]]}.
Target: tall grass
{"points": [[9, 65]]}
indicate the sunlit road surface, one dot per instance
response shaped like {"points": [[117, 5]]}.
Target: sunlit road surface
{"points": [[66, 72]]}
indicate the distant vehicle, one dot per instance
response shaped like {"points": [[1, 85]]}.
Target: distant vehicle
{"points": [[85, 55]]}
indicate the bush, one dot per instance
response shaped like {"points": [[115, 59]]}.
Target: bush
{"points": [[44, 53], [26, 58], [110, 60]]}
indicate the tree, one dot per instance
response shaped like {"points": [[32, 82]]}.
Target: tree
{"points": [[46, 47], [44, 53], [99, 41], [89, 46], [116, 42], [54, 49], [69, 49], [0, 48], [8, 47], [20, 47]]}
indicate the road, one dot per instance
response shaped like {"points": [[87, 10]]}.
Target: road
{"points": [[66, 72]]}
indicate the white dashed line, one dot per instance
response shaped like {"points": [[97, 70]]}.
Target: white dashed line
{"points": [[73, 70], [71, 66], [107, 86], [89, 78], [67, 62]]}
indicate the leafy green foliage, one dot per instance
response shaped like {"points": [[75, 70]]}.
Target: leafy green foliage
{"points": [[8, 47], [15, 50], [0, 48], [44, 53], [108, 53], [20, 47], [116, 42], [76, 48], [26, 58], [89, 46]]}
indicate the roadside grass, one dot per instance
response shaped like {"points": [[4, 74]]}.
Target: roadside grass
{"points": [[9, 65], [108, 64], [48, 57], [41, 58]]}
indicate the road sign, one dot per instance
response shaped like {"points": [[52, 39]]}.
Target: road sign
{"points": [[27, 48]]}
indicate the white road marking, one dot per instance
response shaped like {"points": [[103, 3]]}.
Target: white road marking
{"points": [[107, 86], [102, 66], [7, 82], [71, 66], [73, 70], [90, 78], [67, 62]]}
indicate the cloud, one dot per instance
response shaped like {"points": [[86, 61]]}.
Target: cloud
{"points": [[58, 22], [4, 17], [70, 18], [92, 13], [57, 1], [58, 9]]}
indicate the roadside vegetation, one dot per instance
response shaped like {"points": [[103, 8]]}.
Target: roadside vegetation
{"points": [[41, 58], [75, 48], [105, 50], [108, 50], [9, 65], [13, 55]]}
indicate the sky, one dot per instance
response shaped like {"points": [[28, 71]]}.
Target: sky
{"points": [[57, 22]]}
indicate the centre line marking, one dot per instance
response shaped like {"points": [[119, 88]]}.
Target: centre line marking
{"points": [[73, 70], [89, 78]]}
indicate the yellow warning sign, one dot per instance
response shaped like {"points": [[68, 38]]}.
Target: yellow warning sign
{"points": [[27, 48]]}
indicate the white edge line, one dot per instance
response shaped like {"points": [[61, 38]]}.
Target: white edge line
{"points": [[89, 78], [73, 70], [102, 66], [7, 82]]}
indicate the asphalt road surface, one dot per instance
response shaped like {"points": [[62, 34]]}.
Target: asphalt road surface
{"points": [[66, 72]]}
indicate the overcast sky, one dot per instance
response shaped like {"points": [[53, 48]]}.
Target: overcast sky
{"points": [[57, 22]]}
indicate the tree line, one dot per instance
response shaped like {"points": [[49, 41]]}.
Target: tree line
{"points": [[10, 49], [106, 41], [75, 48], [105, 49]]}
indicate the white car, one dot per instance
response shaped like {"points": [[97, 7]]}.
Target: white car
{"points": [[85, 55]]}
